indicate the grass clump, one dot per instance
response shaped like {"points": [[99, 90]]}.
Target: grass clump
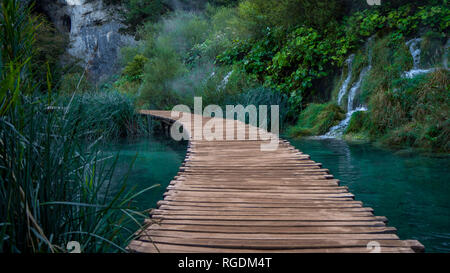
{"points": [[424, 105], [359, 121], [55, 186], [102, 114], [316, 119]]}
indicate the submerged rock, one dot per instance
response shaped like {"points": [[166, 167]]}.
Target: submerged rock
{"points": [[93, 30]]}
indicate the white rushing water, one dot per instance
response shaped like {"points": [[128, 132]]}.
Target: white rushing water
{"points": [[338, 130], [414, 49], [344, 87], [225, 80], [356, 87], [445, 57]]}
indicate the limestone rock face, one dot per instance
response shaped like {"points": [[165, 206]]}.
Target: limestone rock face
{"points": [[93, 30]]}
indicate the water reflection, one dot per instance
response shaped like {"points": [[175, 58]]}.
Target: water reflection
{"points": [[412, 190], [158, 161]]}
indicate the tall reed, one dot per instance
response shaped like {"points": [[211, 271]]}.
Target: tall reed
{"points": [[54, 186]]}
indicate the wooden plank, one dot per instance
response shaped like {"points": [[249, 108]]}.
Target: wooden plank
{"points": [[151, 234], [275, 229], [299, 204], [254, 200], [274, 243], [142, 246], [302, 214], [313, 217], [265, 210], [268, 223]]}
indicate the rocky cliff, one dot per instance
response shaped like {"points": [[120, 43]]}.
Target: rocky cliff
{"points": [[93, 29]]}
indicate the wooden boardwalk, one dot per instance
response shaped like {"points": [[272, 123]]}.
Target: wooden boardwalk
{"points": [[230, 196]]}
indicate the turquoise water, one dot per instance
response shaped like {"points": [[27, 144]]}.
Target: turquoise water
{"points": [[411, 190], [157, 162]]}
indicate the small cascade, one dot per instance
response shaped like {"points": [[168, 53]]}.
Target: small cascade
{"points": [[414, 49], [225, 80], [356, 87], [344, 87], [445, 57], [338, 130]]}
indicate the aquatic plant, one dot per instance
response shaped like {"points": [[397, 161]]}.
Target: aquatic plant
{"points": [[54, 187]]}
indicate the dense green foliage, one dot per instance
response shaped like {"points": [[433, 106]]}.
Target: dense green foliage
{"points": [[138, 12], [296, 59]]}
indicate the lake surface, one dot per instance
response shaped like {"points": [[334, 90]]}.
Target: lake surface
{"points": [[411, 190], [158, 161]]}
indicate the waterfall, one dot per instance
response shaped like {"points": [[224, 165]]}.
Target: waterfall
{"points": [[225, 80], [356, 87], [344, 86], [414, 49], [445, 57], [338, 130]]}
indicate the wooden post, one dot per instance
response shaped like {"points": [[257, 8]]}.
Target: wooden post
{"points": [[149, 124]]}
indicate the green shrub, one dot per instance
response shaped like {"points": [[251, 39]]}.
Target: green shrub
{"points": [[432, 49], [255, 16], [359, 122], [413, 112], [159, 74], [17, 39], [138, 12], [135, 68], [303, 59], [316, 119], [296, 59], [263, 96]]}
